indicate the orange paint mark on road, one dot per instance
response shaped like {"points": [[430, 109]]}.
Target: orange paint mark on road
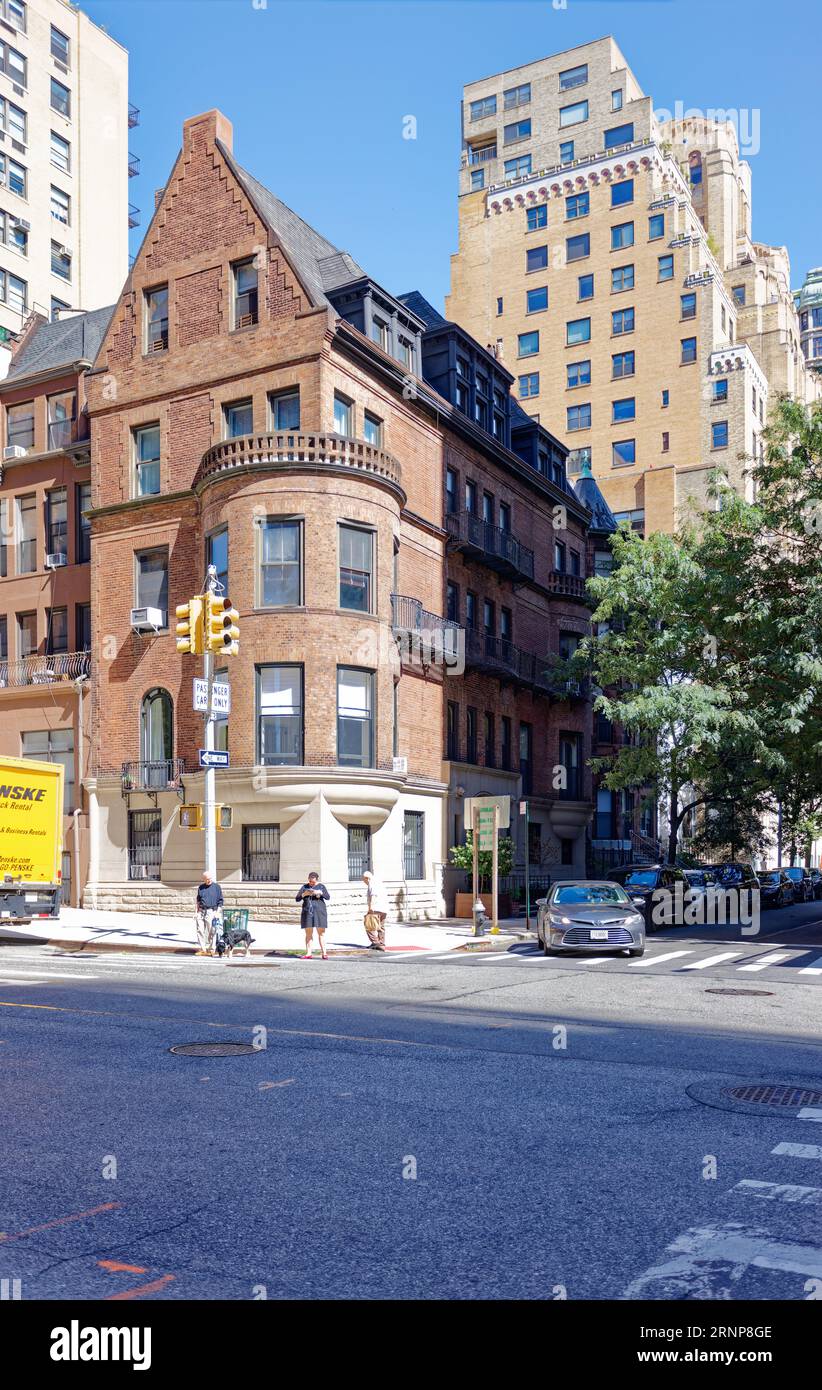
{"points": [[62, 1220], [139, 1289], [116, 1267]]}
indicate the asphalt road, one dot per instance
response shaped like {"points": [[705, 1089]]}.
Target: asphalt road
{"points": [[500, 1126]]}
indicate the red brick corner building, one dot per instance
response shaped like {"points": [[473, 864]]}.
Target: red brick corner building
{"points": [[400, 540]]}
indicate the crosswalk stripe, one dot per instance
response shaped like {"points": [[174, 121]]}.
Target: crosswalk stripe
{"points": [[799, 1150], [815, 967], [810, 1113], [710, 960], [780, 1192], [12, 975], [765, 961], [657, 960]]}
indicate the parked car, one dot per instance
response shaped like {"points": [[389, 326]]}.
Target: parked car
{"points": [[734, 874], [641, 881], [699, 881], [816, 875], [775, 888], [803, 883], [589, 915]]}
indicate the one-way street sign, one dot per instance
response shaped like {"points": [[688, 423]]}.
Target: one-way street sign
{"points": [[213, 757]]}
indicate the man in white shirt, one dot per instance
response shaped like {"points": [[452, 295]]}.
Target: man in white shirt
{"points": [[376, 911]]}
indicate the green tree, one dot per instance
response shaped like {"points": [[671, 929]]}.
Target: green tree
{"points": [[462, 857]]}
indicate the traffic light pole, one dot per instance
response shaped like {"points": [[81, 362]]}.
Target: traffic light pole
{"points": [[208, 741]]}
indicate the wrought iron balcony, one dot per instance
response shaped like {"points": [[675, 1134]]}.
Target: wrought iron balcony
{"points": [[133, 215], [308, 450], [425, 636], [497, 549], [566, 585], [44, 670], [133, 165], [133, 115], [496, 656], [156, 775], [482, 154]]}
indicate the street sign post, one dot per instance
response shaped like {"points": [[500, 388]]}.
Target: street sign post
{"points": [[523, 810]]}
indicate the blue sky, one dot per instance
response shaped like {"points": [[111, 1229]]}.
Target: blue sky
{"points": [[317, 91]]}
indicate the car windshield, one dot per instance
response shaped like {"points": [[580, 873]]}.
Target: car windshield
{"points": [[694, 875], [593, 893], [728, 873], [646, 879], [794, 873], [769, 876]]}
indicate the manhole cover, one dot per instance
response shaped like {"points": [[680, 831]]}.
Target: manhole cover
{"points": [[773, 1095], [213, 1049], [758, 992]]}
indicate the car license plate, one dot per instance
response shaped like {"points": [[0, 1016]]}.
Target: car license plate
{"points": [[599, 934], [32, 897]]}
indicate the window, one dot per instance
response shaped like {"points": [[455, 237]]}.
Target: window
{"points": [[559, 557], [14, 64], [54, 746], [238, 419], [536, 300], [579, 374], [83, 524], [60, 261], [573, 77], [60, 206], [577, 247], [517, 96], [488, 508], [622, 278], [343, 415], [687, 304], [152, 580], [57, 307], [514, 168], [578, 331], [452, 730], [26, 533], [536, 218], [579, 417], [451, 487], [622, 193], [82, 624], [14, 292], [359, 851], [15, 176], [145, 844], [471, 496], [528, 344], [56, 631], [585, 287], [622, 364], [147, 459], [719, 390], [60, 46], [525, 751], [157, 737], [623, 452], [719, 434], [380, 332], [505, 517], [506, 743], [623, 410], [528, 385], [578, 205], [355, 717], [738, 293], [26, 635], [689, 349], [244, 275], [356, 560], [619, 135], [477, 181], [616, 100], [485, 106], [656, 226], [489, 623], [14, 121], [622, 321], [471, 735], [695, 167], [261, 853], [57, 522], [279, 715], [156, 319], [518, 130], [280, 563], [666, 441], [285, 410], [666, 399], [622, 235], [570, 757], [566, 152], [413, 844], [20, 425], [536, 258], [60, 98], [489, 739], [372, 430], [576, 459], [216, 554], [665, 268], [573, 115], [14, 236], [60, 153], [452, 601]]}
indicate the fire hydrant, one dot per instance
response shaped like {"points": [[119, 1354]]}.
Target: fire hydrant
{"points": [[480, 918]]}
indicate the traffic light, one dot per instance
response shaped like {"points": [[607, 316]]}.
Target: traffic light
{"points": [[190, 816], [190, 627], [222, 633], [223, 817]]}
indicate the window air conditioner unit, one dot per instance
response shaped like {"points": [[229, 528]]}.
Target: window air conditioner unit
{"points": [[147, 619], [21, 222], [246, 321], [14, 451], [56, 560], [400, 766]]}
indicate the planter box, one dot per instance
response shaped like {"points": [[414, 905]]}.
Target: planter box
{"points": [[465, 902]]}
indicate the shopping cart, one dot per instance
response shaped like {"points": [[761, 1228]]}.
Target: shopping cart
{"points": [[235, 934]]}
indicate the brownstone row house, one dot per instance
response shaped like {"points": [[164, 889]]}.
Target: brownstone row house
{"points": [[45, 551], [406, 555]]}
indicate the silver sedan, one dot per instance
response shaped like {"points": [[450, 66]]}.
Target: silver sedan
{"points": [[589, 915]]}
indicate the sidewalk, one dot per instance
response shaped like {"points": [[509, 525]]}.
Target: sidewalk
{"points": [[81, 929]]}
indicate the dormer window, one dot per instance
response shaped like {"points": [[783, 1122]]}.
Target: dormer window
{"points": [[405, 352], [380, 332]]}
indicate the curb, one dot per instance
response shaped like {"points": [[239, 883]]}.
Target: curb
{"points": [[162, 949]]}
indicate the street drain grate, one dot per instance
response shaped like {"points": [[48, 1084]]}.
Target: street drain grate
{"points": [[773, 1095], [760, 993], [213, 1049]]}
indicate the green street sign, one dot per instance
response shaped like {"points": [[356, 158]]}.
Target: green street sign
{"points": [[485, 828]]}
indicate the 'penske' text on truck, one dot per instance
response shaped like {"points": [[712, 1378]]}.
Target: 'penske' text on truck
{"points": [[31, 838]]}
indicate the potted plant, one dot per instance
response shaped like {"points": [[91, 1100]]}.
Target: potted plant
{"points": [[462, 857]]}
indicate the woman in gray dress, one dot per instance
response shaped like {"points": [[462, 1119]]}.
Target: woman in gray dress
{"points": [[313, 895]]}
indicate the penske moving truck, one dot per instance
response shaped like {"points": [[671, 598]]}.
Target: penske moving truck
{"points": [[31, 838]]}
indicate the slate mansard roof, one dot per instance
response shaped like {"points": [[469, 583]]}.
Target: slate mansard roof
{"points": [[61, 344]]}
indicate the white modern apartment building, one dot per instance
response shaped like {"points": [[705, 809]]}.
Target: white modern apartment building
{"points": [[64, 164]]}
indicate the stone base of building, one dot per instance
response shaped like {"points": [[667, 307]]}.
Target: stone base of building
{"points": [[415, 901]]}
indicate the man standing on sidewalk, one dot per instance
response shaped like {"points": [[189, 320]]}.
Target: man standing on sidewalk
{"points": [[376, 911], [209, 901]]}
